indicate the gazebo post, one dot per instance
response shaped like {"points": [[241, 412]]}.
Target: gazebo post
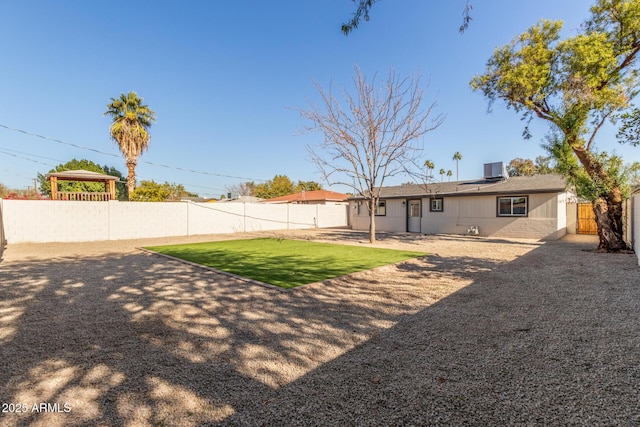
{"points": [[53, 181], [112, 189]]}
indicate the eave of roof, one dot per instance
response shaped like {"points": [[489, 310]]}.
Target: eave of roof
{"points": [[82, 175]]}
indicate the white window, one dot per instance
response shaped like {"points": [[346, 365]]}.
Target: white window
{"points": [[513, 206], [381, 208], [436, 205]]}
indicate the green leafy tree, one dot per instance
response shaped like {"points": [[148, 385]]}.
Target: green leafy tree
{"points": [[280, 185], [576, 84], [521, 167], [122, 193], [307, 186], [634, 173], [544, 166], [586, 187], [81, 186], [151, 191], [4, 190], [527, 167], [131, 120]]}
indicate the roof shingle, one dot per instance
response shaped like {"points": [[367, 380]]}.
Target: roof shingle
{"points": [[550, 183]]}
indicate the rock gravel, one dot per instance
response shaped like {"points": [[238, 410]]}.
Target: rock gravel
{"points": [[478, 332]]}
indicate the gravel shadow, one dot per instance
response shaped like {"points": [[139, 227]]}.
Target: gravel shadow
{"points": [[478, 332]]}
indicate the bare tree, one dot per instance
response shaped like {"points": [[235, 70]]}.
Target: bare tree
{"points": [[241, 189], [370, 134]]}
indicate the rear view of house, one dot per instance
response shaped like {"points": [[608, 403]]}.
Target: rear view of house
{"points": [[531, 207]]}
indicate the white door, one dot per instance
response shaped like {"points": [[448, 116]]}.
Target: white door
{"points": [[413, 216]]}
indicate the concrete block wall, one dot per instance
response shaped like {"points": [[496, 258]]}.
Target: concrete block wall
{"points": [[635, 223], [64, 221], [1, 228]]}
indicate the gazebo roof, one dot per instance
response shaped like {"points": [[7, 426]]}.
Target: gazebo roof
{"points": [[82, 175]]}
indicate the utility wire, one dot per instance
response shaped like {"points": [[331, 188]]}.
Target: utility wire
{"points": [[24, 158], [114, 155], [29, 154], [9, 152], [205, 206]]}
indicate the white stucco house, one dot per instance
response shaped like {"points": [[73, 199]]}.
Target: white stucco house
{"points": [[532, 207]]}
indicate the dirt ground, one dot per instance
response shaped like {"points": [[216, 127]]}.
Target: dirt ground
{"points": [[477, 332]]}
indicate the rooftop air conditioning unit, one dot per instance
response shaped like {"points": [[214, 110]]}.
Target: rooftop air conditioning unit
{"points": [[497, 170]]}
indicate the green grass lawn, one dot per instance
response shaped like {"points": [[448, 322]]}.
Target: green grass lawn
{"points": [[284, 263]]}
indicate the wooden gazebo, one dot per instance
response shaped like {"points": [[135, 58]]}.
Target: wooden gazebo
{"points": [[83, 175]]}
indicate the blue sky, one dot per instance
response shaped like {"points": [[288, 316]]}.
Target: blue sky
{"points": [[225, 79]]}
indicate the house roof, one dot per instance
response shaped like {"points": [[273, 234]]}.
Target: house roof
{"points": [[241, 199], [310, 196], [82, 175], [550, 183]]}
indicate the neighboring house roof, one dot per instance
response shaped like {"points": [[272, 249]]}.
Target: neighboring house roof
{"points": [[82, 175], [193, 199], [550, 183], [310, 196], [241, 199]]}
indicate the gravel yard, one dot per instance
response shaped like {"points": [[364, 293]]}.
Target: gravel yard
{"points": [[479, 332]]}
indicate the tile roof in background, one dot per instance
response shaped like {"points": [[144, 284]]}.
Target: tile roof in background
{"points": [[310, 196]]}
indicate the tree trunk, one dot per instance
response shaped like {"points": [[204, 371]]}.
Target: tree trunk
{"points": [[607, 208], [372, 204], [131, 178], [609, 219], [372, 226]]}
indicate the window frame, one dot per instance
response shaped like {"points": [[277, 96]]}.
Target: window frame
{"points": [[381, 208], [433, 199], [512, 214], [414, 202]]}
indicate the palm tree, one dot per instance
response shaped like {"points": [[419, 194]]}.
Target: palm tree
{"points": [[449, 174], [130, 130], [442, 172], [429, 165], [457, 157]]}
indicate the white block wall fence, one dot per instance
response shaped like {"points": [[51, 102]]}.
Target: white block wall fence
{"points": [[2, 239], [635, 223], [64, 221]]}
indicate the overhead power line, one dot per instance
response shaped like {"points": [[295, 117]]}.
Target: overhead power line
{"points": [[29, 154], [9, 152], [114, 155], [24, 158]]}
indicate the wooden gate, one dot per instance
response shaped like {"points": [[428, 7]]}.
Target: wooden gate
{"points": [[586, 219]]}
